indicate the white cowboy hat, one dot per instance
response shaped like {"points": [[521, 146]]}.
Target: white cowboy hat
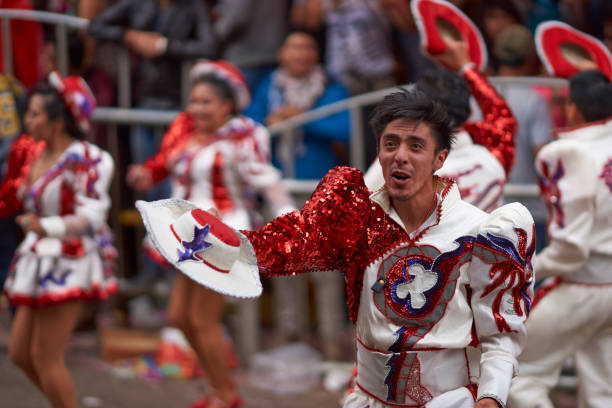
{"points": [[202, 247]]}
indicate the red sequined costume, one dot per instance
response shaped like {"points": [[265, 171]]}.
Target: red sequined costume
{"points": [[417, 300], [481, 158], [74, 260]]}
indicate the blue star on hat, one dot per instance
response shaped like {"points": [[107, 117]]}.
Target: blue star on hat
{"points": [[195, 245]]}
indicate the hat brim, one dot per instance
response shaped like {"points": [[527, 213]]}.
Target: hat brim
{"points": [[432, 16], [241, 281], [555, 41]]}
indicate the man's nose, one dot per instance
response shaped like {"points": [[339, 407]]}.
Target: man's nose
{"points": [[402, 154]]}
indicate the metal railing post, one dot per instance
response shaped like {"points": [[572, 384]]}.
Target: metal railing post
{"points": [[185, 83], [357, 146], [124, 80], [61, 42], [7, 47]]}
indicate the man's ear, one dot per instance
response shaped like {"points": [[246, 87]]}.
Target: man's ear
{"points": [[574, 116], [440, 158]]}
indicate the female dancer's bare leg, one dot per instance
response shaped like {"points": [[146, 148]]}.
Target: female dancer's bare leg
{"points": [[197, 312], [52, 327], [20, 343]]}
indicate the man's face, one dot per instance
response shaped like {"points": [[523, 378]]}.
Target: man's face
{"points": [[299, 54], [408, 158]]}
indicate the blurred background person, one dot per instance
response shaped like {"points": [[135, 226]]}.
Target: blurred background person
{"points": [[298, 85], [66, 257], [215, 158], [515, 52], [250, 33], [13, 104], [358, 41], [164, 33], [26, 45]]}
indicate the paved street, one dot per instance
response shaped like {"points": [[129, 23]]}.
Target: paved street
{"points": [[98, 387]]}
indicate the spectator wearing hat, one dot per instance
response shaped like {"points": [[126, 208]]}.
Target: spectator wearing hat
{"points": [[61, 183], [515, 52], [215, 158]]}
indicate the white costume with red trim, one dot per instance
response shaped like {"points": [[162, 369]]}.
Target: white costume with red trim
{"points": [[74, 260], [574, 318], [417, 300], [222, 173]]}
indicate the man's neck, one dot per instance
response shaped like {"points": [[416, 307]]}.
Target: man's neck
{"points": [[415, 211]]}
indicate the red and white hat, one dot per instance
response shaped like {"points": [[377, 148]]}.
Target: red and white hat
{"points": [[436, 19], [227, 72], [562, 48], [202, 247], [77, 96]]}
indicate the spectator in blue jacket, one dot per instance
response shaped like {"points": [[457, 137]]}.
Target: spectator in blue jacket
{"points": [[298, 85]]}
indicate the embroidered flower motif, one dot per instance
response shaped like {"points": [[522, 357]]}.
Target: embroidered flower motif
{"points": [[195, 245], [417, 281], [606, 174]]}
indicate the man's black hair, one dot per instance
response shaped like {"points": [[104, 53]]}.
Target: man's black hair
{"points": [[450, 90], [55, 108], [414, 105], [591, 92]]}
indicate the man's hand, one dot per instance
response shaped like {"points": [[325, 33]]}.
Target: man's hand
{"points": [[455, 56], [139, 177], [487, 403], [145, 43], [30, 222]]}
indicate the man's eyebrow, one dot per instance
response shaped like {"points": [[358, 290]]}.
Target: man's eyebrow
{"points": [[410, 138]]}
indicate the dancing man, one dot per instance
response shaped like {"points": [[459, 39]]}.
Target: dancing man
{"points": [[427, 274]]}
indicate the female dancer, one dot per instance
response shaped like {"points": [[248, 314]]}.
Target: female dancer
{"points": [[61, 182], [214, 157]]}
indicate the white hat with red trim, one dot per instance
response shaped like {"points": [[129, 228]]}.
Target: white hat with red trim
{"points": [[439, 19], [227, 72], [77, 96], [563, 49], [202, 247]]}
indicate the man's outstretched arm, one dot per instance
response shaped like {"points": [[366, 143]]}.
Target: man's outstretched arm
{"points": [[323, 236]]}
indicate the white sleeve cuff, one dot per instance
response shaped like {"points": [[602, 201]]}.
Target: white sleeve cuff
{"points": [[53, 226], [495, 378]]}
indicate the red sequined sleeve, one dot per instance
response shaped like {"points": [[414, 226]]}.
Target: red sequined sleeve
{"points": [[18, 154], [177, 134], [497, 129], [327, 234]]}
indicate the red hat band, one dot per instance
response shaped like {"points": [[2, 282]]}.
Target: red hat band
{"points": [[204, 238]]}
